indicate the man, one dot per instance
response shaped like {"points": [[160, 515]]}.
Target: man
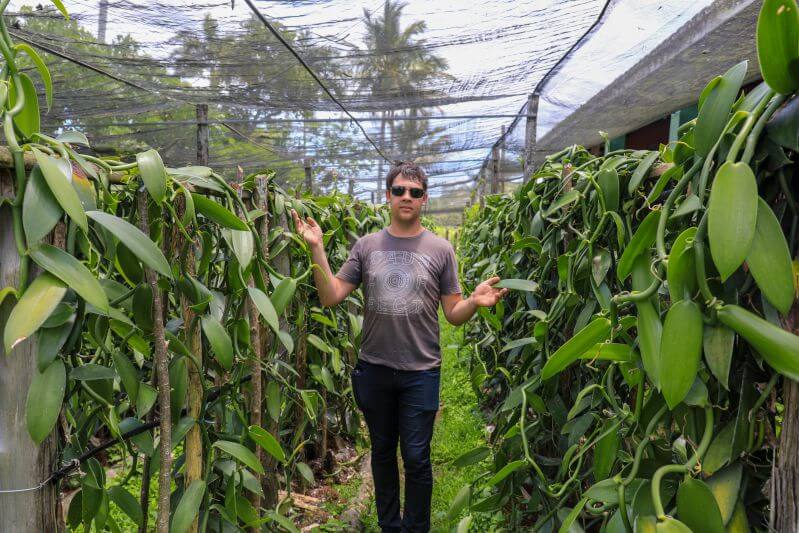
{"points": [[405, 270]]}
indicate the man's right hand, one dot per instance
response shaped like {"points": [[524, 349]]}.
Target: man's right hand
{"points": [[308, 229]]}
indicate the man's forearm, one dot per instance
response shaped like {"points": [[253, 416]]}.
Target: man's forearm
{"points": [[462, 311], [323, 276]]}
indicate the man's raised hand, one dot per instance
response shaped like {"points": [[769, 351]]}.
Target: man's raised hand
{"points": [[485, 295], [308, 229]]}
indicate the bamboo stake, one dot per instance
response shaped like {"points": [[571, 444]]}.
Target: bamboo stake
{"points": [[162, 370]]}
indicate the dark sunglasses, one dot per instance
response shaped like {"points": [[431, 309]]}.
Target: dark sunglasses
{"points": [[399, 190]]}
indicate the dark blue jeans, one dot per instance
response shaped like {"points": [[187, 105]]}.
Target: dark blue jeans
{"points": [[399, 405]]}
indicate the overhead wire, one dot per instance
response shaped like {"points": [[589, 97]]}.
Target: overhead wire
{"points": [[313, 74]]}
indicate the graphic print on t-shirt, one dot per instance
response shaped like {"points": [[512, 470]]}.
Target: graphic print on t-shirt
{"points": [[397, 281]]}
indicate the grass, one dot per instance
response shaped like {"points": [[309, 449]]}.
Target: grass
{"points": [[458, 430]]}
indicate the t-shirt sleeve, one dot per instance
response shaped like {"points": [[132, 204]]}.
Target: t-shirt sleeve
{"points": [[352, 268], [448, 283]]}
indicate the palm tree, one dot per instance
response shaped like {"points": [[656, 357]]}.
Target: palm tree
{"points": [[395, 72]]}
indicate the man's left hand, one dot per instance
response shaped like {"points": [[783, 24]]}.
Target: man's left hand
{"points": [[485, 295]]}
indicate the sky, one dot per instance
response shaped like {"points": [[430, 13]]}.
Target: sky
{"points": [[524, 49]]}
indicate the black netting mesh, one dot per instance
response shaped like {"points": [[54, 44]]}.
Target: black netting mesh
{"points": [[429, 81]]}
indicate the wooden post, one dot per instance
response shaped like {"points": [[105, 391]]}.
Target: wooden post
{"points": [[495, 169], [202, 135], [351, 187], [183, 253], [373, 197], [499, 159], [307, 163], [162, 369], [23, 464], [256, 386], [785, 469], [481, 188], [529, 135]]}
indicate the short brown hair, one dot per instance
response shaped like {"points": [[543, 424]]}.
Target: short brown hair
{"points": [[409, 170]]}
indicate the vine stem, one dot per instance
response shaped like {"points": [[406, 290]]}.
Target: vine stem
{"points": [[660, 239], [683, 468]]}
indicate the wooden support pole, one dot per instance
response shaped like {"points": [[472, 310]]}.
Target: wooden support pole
{"points": [[495, 169], [784, 490], [499, 159], [162, 370], [529, 135], [183, 253], [23, 464], [202, 135], [351, 187], [307, 164]]}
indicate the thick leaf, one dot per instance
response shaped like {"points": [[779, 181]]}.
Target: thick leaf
{"points": [[265, 307], [642, 171], [471, 457], [681, 272], [769, 259], [273, 399], [610, 351], [517, 285], [715, 110], [650, 328], [40, 210], [45, 395], [643, 238], [127, 374], [518, 342], [44, 72], [739, 523], [777, 51], [92, 372], [608, 181], [73, 137], [778, 347], [36, 304], [783, 128], [127, 502], [306, 472], [459, 503], [718, 343], [240, 453], [153, 174], [136, 241], [595, 332], [564, 200], [319, 344], [242, 243], [219, 340], [72, 272], [179, 382], [49, 343], [680, 350], [726, 486], [672, 525], [58, 180], [605, 451], [732, 216], [697, 508], [218, 213], [265, 440], [27, 121], [718, 454], [188, 507], [505, 471], [283, 294]]}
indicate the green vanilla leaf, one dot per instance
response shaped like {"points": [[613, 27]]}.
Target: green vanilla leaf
{"points": [[732, 216], [777, 36]]}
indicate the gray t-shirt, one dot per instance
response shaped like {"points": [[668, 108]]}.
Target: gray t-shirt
{"points": [[403, 279]]}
